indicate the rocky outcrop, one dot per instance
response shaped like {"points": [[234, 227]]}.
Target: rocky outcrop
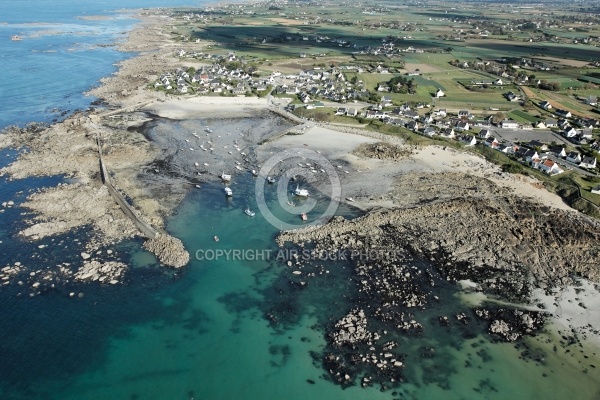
{"points": [[352, 329], [503, 246], [383, 151], [94, 271], [504, 243], [169, 250]]}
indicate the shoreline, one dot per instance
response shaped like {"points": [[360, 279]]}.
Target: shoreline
{"points": [[407, 182]]}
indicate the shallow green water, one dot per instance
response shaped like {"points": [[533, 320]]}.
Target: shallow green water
{"points": [[210, 338], [202, 332]]}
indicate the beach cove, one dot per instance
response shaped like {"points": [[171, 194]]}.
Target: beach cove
{"points": [[267, 327]]}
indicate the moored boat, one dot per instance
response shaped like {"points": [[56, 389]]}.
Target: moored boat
{"points": [[303, 216], [225, 177], [301, 192], [228, 192], [249, 212]]}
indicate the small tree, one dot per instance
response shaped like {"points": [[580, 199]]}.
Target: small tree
{"points": [[498, 117]]}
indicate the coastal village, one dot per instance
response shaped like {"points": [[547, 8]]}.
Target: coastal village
{"points": [[572, 141]]}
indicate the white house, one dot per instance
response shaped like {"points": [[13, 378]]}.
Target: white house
{"points": [[569, 132], [588, 162], [509, 124], [448, 132], [468, 140], [462, 126], [550, 167], [439, 93], [484, 133], [574, 157]]}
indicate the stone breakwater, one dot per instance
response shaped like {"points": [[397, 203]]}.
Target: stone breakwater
{"points": [[169, 250], [504, 246]]}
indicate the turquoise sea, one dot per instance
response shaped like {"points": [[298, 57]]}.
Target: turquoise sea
{"points": [[205, 332]]}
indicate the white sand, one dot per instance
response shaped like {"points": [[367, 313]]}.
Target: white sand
{"points": [[436, 159], [369, 181], [190, 107], [565, 306]]}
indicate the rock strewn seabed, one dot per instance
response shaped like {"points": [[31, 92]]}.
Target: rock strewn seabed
{"points": [[505, 245]]}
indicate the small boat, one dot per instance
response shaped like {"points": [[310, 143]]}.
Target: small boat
{"points": [[216, 238], [16, 38], [254, 172], [238, 168], [249, 213], [198, 186], [291, 203], [270, 180], [303, 216], [350, 199], [196, 164], [301, 192], [225, 177], [228, 192], [207, 129]]}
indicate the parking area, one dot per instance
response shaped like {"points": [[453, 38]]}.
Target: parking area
{"points": [[527, 135]]}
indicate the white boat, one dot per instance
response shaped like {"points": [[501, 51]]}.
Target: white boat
{"points": [[228, 192], [350, 199], [216, 238], [207, 129], [198, 186], [16, 37], [249, 213], [238, 168], [225, 177], [303, 216], [291, 203], [301, 192], [254, 172], [270, 180]]}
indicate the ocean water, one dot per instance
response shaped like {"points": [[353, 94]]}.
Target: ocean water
{"points": [[62, 54], [203, 332]]}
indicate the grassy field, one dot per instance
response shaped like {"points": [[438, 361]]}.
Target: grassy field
{"points": [[522, 116]]}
